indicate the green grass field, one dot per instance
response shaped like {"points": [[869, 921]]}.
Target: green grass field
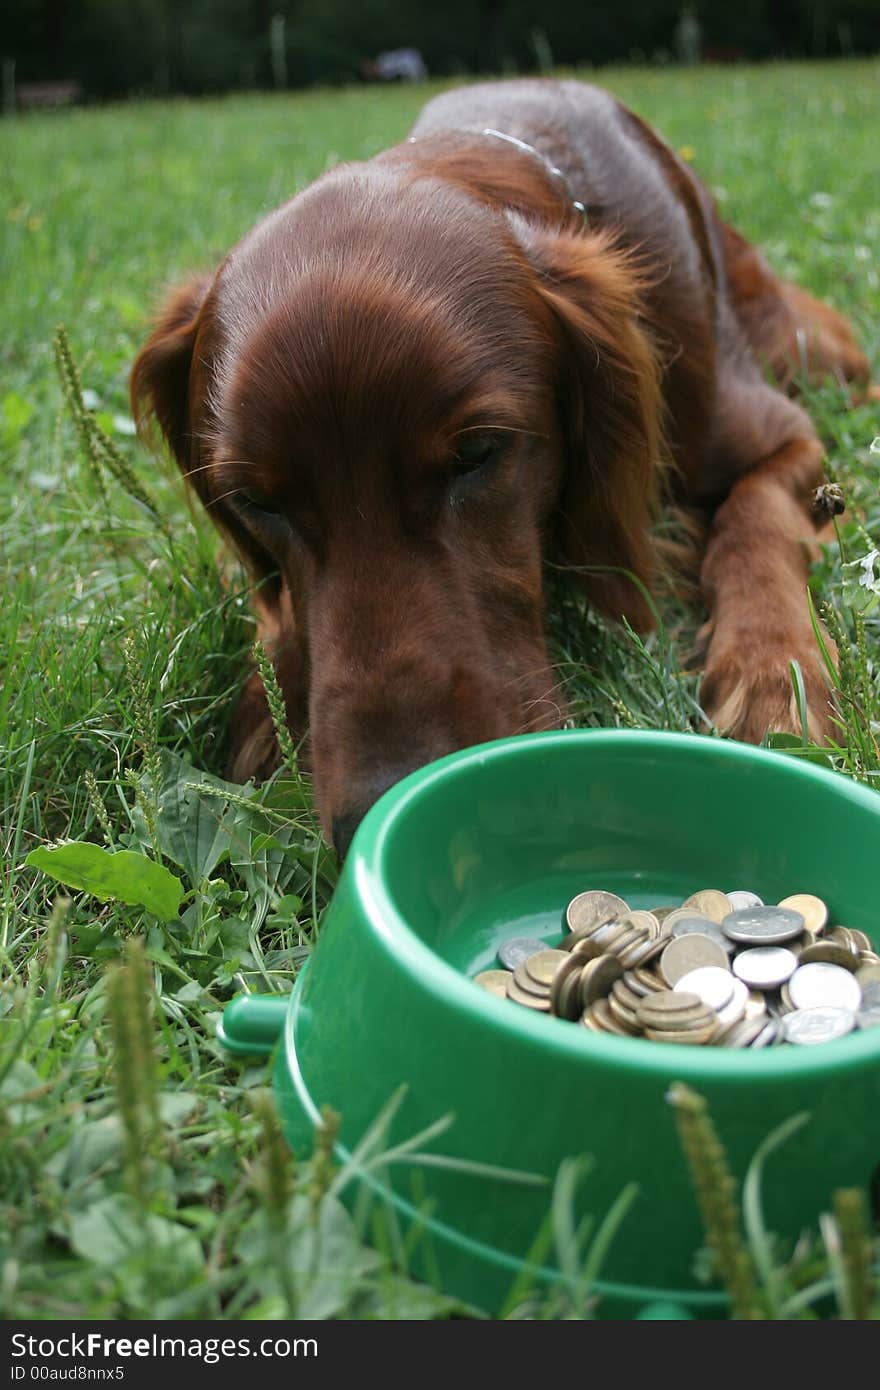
{"points": [[143, 1175]]}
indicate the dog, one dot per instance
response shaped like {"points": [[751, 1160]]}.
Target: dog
{"points": [[501, 342]]}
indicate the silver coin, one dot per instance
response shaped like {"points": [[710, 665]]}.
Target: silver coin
{"points": [[518, 949], [814, 985], [711, 983], [765, 967], [736, 1006], [741, 898], [869, 1018], [871, 995], [769, 1034], [817, 1025], [702, 926], [763, 926]]}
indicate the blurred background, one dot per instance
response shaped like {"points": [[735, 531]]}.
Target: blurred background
{"points": [[56, 52]]}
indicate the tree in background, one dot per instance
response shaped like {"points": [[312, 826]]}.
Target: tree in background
{"points": [[116, 47]]}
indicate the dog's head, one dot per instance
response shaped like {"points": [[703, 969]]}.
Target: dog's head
{"points": [[397, 400]]}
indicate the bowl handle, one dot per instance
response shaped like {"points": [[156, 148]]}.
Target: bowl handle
{"points": [[252, 1024]]}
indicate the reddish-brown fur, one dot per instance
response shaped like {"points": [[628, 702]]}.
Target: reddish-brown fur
{"points": [[317, 389]]}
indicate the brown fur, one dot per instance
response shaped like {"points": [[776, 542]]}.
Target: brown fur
{"points": [[317, 388]]}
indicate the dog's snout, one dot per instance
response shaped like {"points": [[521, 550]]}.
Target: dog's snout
{"points": [[345, 821]]}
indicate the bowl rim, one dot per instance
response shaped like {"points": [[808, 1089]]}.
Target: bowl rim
{"points": [[367, 866]]}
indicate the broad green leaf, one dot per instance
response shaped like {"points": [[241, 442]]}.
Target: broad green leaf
{"points": [[266, 867], [20, 1091], [121, 874], [325, 1256], [791, 743], [15, 413], [176, 1106], [401, 1299], [94, 1145], [195, 828], [288, 908], [115, 1229]]}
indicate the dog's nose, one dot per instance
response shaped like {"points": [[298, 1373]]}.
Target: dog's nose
{"points": [[342, 831], [349, 816]]}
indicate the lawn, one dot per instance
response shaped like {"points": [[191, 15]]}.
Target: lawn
{"points": [[143, 1174]]}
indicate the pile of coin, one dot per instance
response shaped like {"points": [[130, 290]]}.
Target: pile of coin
{"points": [[722, 969]]}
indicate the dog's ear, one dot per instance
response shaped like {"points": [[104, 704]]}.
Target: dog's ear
{"points": [[170, 383], [608, 382], [160, 377]]}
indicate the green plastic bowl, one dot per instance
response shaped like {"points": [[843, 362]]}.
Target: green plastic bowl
{"points": [[492, 842]]}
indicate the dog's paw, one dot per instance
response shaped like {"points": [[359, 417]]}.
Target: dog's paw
{"points": [[748, 689]]}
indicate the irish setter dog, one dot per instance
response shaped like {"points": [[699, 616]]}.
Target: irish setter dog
{"points": [[488, 347]]}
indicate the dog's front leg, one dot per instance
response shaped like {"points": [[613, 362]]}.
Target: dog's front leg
{"points": [[754, 578]]}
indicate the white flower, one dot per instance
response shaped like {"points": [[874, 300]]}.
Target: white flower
{"points": [[869, 579], [861, 582]]}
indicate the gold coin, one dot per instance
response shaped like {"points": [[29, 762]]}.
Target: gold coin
{"points": [[669, 1004], [829, 952], [649, 978], [568, 969], [621, 991], [598, 1017], [527, 984], [542, 965], [691, 1036], [628, 940], [800, 943], [680, 914], [687, 1023], [686, 953], [541, 1002], [861, 940], [634, 984], [867, 974], [661, 913], [741, 1033], [608, 934], [592, 908], [569, 998], [597, 977], [844, 937], [640, 918], [711, 903], [655, 948], [637, 954], [662, 940], [756, 1005], [494, 981], [811, 908], [586, 948], [868, 958], [625, 1017]]}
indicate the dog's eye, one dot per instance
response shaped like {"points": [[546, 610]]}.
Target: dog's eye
{"points": [[253, 501], [475, 452]]}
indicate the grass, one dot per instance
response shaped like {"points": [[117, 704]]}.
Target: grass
{"points": [[126, 1136]]}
